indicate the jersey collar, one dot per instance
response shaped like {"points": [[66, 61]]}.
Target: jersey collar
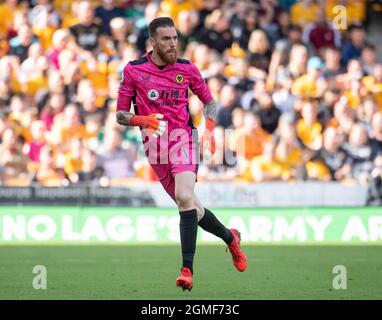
{"points": [[148, 56]]}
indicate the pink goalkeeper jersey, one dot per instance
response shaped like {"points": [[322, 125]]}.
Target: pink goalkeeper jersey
{"points": [[156, 89]]}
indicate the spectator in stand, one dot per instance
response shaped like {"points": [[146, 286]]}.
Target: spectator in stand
{"points": [[68, 127], [366, 111], [268, 12], [265, 167], [259, 53], [247, 142], [20, 18], [187, 28], [344, 116], [369, 58], [54, 106], [249, 99], [297, 61], [282, 96], [172, 8], [73, 160], [289, 150], [106, 12], [287, 4], [354, 72], [269, 8], [355, 94], [376, 135], [201, 56], [357, 42], [285, 44], [90, 172], [38, 133], [375, 184], [304, 12], [244, 19], [333, 156], [17, 107], [13, 161], [227, 102], [135, 10], [284, 24], [332, 60], [269, 114], [60, 42], [216, 83], [373, 84], [45, 9], [45, 21], [4, 121], [87, 33], [120, 29], [326, 106], [47, 173], [311, 84], [309, 129], [7, 13], [86, 99], [321, 34], [116, 161], [237, 72], [55, 86], [96, 74], [216, 33], [360, 153], [19, 45], [151, 12], [32, 75]]}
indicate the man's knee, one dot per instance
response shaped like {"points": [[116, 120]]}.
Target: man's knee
{"points": [[184, 199]]}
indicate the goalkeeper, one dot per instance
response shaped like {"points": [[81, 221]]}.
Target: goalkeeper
{"points": [[158, 84]]}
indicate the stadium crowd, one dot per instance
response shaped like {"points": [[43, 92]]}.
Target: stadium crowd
{"points": [[299, 89]]}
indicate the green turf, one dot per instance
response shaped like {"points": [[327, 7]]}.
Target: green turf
{"points": [[149, 272]]}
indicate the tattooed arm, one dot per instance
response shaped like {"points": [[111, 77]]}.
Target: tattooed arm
{"points": [[124, 118], [210, 110], [207, 142], [151, 121]]}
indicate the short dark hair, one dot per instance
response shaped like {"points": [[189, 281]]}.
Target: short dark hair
{"points": [[160, 23], [294, 27], [356, 26], [370, 46]]}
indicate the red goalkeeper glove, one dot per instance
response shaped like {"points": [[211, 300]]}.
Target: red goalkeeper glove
{"points": [[151, 122], [207, 142]]}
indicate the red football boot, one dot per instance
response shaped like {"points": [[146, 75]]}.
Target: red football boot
{"points": [[185, 279], [238, 257]]}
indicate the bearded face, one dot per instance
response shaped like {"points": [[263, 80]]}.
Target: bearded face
{"points": [[164, 44], [169, 56]]}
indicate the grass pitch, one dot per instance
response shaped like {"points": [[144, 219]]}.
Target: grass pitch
{"points": [[149, 272]]}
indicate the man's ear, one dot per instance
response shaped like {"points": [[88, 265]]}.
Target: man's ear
{"points": [[152, 41]]}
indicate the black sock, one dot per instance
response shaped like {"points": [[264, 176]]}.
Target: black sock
{"points": [[188, 226], [210, 223]]}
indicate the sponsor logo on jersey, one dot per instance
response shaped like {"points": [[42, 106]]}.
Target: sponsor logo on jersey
{"points": [[179, 78], [153, 94]]}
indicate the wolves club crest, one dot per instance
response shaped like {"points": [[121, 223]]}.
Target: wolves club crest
{"points": [[179, 78]]}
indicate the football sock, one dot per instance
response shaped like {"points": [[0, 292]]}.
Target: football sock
{"points": [[210, 223], [188, 226]]}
